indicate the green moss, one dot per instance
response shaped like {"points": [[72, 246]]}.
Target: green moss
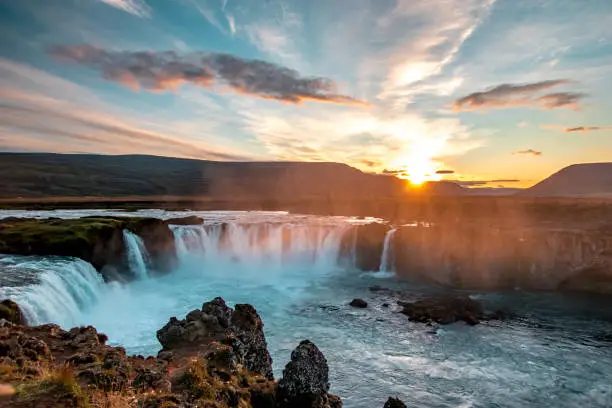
{"points": [[74, 237]]}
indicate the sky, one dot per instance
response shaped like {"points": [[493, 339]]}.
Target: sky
{"points": [[488, 93]]}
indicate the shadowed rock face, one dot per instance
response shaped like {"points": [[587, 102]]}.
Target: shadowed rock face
{"points": [[11, 312], [242, 329], [481, 256], [367, 241]]}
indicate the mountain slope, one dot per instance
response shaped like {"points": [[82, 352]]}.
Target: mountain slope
{"points": [[578, 180], [35, 175]]}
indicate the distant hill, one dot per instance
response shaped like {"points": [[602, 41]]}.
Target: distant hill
{"points": [[578, 180], [37, 175]]}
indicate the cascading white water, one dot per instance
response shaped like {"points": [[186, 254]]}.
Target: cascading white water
{"points": [[262, 244], [137, 254], [387, 261], [57, 290]]}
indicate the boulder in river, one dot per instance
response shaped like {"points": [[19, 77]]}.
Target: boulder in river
{"points": [[394, 403], [305, 381], [359, 303], [444, 310]]}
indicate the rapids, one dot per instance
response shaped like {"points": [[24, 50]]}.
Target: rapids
{"points": [[556, 351]]}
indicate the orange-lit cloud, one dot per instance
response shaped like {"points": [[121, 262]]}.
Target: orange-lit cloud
{"points": [[42, 112], [166, 70], [529, 152], [521, 95]]}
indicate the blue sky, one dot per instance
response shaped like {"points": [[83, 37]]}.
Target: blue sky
{"points": [[487, 89]]}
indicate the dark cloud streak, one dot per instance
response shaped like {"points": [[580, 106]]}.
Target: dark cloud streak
{"points": [[166, 70], [520, 95], [529, 152], [585, 129]]}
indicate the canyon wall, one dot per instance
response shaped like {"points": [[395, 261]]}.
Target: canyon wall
{"points": [[481, 256]]}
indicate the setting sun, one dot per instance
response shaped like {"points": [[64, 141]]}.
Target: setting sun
{"points": [[419, 165]]}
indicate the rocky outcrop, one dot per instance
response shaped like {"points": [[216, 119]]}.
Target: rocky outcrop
{"points": [[358, 303], [305, 381], [10, 312], [97, 240], [394, 403], [222, 364], [444, 310], [241, 329]]}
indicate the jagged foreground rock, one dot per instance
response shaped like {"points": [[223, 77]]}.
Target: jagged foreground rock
{"points": [[216, 357], [238, 331]]}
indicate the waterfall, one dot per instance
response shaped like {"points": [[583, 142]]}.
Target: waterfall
{"points": [[265, 244], [387, 261], [50, 289], [137, 254]]}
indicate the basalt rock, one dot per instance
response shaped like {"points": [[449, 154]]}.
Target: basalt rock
{"points": [[242, 329], [11, 312], [57, 368], [305, 382], [444, 310], [394, 403], [358, 303]]}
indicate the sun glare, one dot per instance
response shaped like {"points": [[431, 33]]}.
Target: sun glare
{"points": [[419, 166]]}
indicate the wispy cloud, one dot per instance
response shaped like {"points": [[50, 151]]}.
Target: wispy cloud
{"points": [[529, 152], [585, 129], [162, 71], [137, 7], [41, 111], [520, 95], [362, 138]]}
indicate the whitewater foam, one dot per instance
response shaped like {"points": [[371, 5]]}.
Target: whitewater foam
{"points": [[137, 255], [60, 290]]}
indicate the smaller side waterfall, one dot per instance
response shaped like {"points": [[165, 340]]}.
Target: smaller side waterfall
{"points": [[137, 255], [387, 262]]}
